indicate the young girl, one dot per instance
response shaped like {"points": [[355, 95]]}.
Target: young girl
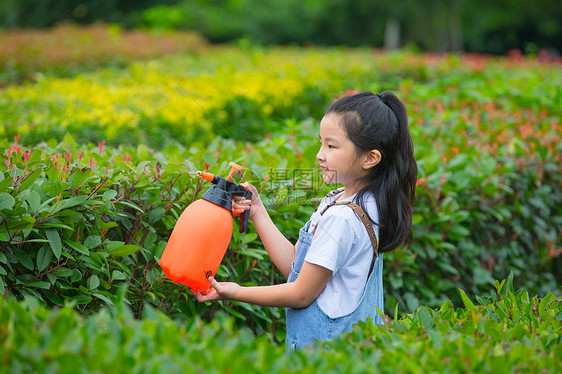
{"points": [[334, 272]]}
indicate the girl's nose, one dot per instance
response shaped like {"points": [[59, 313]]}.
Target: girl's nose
{"points": [[320, 155]]}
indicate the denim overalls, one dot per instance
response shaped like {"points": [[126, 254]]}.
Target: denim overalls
{"points": [[305, 325]]}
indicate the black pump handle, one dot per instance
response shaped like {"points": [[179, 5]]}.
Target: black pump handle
{"points": [[244, 217]]}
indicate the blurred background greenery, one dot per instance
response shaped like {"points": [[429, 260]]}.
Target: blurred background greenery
{"points": [[479, 26]]}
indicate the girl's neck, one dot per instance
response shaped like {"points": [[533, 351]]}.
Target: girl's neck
{"points": [[349, 191]]}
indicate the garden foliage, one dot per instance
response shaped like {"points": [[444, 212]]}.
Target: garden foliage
{"points": [[504, 333], [97, 168]]}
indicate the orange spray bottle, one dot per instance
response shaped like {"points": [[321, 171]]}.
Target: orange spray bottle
{"points": [[201, 236]]}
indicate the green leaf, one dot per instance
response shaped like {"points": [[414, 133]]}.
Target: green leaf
{"points": [[77, 178], [124, 250], [425, 318], [110, 246], [109, 195], [76, 276], [93, 282], [156, 214], [55, 299], [63, 272], [44, 256], [24, 259], [73, 201], [106, 299], [501, 312], [6, 201], [54, 242], [77, 247], [467, 303], [234, 313], [117, 275], [34, 201], [39, 284], [447, 267], [509, 283], [481, 300], [82, 299], [92, 241], [380, 313], [141, 166], [249, 238], [92, 262], [55, 226], [30, 179], [131, 205], [544, 304], [18, 224], [108, 225]]}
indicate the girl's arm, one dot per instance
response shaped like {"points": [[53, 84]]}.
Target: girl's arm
{"points": [[298, 294], [278, 247]]}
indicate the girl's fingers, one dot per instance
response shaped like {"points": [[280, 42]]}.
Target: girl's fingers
{"points": [[211, 294], [214, 283], [241, 205]]}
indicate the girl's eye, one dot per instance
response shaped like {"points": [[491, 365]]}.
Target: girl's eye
{"points": [[331, 147]]}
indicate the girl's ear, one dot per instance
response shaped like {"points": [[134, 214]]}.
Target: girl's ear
{"points": [[372, 158]]}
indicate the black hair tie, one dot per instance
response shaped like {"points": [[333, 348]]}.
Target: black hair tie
{"points": [[380, 96]]}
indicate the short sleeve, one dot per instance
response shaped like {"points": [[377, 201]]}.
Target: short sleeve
{"points": [[332, 243]]}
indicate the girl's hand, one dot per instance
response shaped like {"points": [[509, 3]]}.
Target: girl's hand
{"points": [[241, 204], [220, 291]]}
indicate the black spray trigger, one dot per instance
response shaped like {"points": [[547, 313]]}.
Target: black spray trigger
{"points": [[244, 217]]}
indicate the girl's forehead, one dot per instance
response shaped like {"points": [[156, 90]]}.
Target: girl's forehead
{"points": [[330, 128], [330, 122]]}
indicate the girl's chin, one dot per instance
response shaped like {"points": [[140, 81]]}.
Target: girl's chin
{"points": [[328, 178]]}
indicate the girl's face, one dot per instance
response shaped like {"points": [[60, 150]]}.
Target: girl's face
{"points": [[337, 156]]}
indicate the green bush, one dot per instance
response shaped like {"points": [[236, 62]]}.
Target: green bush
{"points": [[488, 202], [508, 332], [79, 221]]}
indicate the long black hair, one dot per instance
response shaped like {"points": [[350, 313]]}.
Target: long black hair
{"points": [[380, 121]]}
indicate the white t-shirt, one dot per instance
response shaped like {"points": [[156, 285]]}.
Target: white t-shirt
{"points": [[341, 244]]}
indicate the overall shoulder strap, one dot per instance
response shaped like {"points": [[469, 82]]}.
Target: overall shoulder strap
{"points": [[366, 222]]}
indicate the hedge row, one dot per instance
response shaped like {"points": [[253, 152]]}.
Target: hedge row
{"points": [[245, 94], [78, 221], [507, 332]]}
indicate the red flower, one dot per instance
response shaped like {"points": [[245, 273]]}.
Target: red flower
{"points": [[420, 181], [100, 146], [350, 92]]}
